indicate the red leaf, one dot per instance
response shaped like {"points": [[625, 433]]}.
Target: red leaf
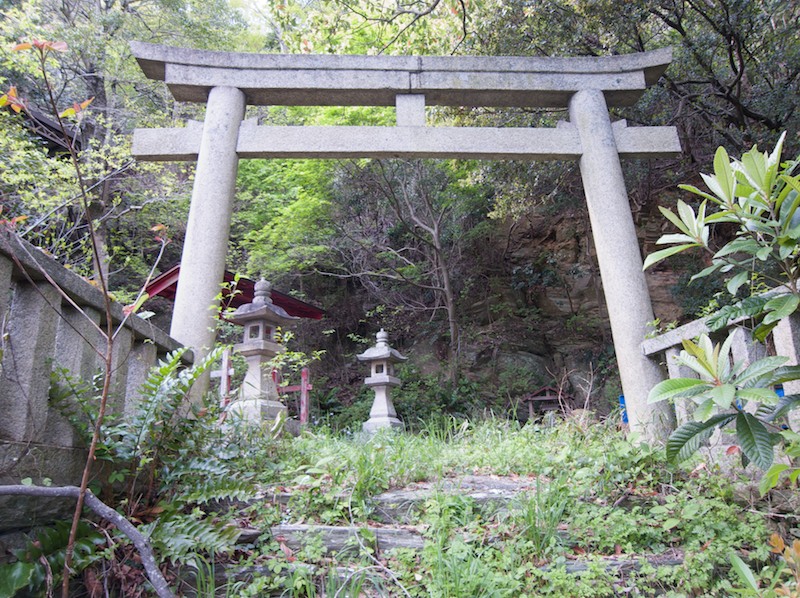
{"points": [[286, 550]]}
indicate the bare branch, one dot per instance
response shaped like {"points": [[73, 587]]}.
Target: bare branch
{"points": [[108, 514]]}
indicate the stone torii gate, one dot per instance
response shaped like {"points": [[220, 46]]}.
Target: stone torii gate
{"points": [[228, 82]]}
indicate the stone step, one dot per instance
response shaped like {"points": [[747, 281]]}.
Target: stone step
{"points": [[401, 506], [369, 577], [490, 493], [337, 539]]}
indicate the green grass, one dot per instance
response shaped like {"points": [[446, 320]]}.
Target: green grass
{"points": [[596, 496]]}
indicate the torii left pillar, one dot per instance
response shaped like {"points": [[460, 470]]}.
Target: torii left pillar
{"points": [[208, 227]]}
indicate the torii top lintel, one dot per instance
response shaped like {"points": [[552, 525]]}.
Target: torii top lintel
{"points": [[328, 80]]}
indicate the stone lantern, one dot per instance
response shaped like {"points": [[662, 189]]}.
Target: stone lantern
{"points": [[258, 399], [382, 358]]}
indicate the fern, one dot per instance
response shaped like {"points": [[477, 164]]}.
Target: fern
{"points": [[215, 491], [179, 537], [192, 458]]}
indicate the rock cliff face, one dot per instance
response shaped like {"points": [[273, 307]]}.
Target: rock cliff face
{"points": [[537, 318], [545, 318]]}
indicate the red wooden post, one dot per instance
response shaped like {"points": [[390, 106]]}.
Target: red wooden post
{"points": [[224, 374], [304, 388]]}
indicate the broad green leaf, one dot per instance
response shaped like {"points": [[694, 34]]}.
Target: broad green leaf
{"points": [[764, 396], [773, 162], [785, 404], [656, 257], [770, 479], [763, 330], [786, 246], [723, 172], [756, 370], [723, 395], [716, 188], [684, 441], [688, 217], [781, 307], [675, 238], [670, 523], [674, 387], [696, 191], [745, 574], [742, 244], [706, 271], [754, 168], [755, 440], [723, 359], [763, 253], [737, 281], [705, 410], [678, 220], [792, 181], [696, 366]]}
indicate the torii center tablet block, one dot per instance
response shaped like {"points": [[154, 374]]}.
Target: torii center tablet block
{"points": [[587, 86]]}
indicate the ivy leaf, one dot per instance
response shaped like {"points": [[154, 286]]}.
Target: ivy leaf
{"points": [[684, 441], [14, 577], [755, 440]]}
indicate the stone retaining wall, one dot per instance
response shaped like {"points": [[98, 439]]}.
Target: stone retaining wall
{"points": [[46, 315]]}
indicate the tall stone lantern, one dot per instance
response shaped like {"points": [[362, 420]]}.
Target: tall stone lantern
{"points": [[258, 399], [382, 358]]}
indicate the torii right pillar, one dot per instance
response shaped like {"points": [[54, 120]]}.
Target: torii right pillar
{"points": [[620, 262]]}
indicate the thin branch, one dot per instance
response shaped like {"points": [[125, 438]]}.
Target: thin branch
{"points": [[108, 514]]}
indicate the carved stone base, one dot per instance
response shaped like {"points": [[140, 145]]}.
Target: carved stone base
{"points": [[373, 424], [257, 411]]}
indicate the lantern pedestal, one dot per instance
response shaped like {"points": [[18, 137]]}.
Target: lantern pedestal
{"points": [[382, 414], [258, 399]]}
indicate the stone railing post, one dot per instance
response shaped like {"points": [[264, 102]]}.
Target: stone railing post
{"points": [[25, 379], [786, 336]]}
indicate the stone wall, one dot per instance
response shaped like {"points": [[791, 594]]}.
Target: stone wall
{"points": [[46, 322]]}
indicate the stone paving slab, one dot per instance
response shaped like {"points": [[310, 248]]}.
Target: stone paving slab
{"points": [[339, 538], [401, 505], [397, 506]]}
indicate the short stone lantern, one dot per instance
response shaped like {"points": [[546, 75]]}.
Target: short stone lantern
{"points": [[382, 358], [258, 399]]}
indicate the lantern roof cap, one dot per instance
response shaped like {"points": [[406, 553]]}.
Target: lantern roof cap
{"points": [[262, 308], [381, 350]]}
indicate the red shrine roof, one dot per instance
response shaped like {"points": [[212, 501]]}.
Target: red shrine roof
{"points": [[166, 284]]}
